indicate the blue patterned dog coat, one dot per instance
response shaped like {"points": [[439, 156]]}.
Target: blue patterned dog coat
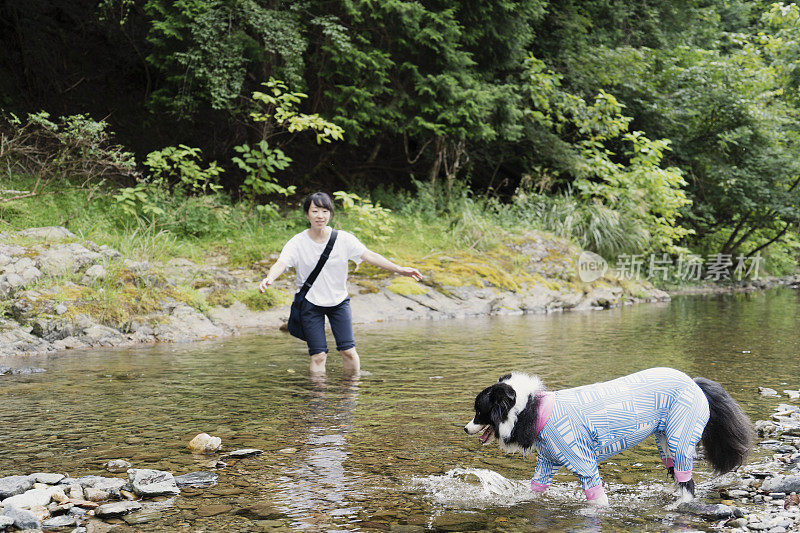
{"points": [[591, 423]]}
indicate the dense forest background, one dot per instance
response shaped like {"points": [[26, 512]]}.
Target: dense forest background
{"points": [[630, 126]]}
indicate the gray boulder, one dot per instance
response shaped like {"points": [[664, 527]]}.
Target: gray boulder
{"points": [[29, 498], [22, 519], [706, 510], [66, 259], [197, 479], [44, 477], [13, 485], [56, 522], [787, 484], [47, 233], [93, 273], [112, 485], [117, 509], [146, 482]]}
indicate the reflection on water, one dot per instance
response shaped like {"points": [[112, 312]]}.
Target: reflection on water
{"points": [[389, 449], [317, 478]]}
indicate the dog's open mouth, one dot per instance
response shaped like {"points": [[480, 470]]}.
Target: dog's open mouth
{"points": [[487, 434]]}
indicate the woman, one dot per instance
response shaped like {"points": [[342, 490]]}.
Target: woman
{"points": [[328, 295]]}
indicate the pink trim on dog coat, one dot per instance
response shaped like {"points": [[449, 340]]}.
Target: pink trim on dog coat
{"points": [[546, 403], [595, 492], [538, 487]]}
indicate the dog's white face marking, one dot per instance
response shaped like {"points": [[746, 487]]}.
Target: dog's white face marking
{"points": [[524, 386]]}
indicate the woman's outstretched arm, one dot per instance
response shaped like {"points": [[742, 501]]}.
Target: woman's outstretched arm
{"points": [[276, 270], [379, 261]]}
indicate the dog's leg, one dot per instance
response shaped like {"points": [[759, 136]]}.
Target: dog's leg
{"points": [[601, 501], [665, 454], [685, 491]]}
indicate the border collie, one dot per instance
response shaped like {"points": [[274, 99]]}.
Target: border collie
{"points": [[577, 428]]}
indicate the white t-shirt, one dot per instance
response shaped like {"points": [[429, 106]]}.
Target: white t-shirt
{"points": [[302, 254]]}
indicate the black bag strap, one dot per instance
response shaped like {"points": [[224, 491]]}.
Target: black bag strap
{"points": [[321, 263]]}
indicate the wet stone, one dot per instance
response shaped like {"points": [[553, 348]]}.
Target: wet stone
{"points": [[736, 522], [260, 511], [60, 521], [13, 485], [213, 510], [406, 528], [23, 519], [50, 479], [245, 452], [228, 491], [270, 524], [197, 479], [705, 510], [118, 466], [458, 523], [27, 370], [117, 509], [150, 511], [147, 482]]}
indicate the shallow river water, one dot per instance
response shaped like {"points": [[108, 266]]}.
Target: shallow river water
{"points": [[387, 451]]}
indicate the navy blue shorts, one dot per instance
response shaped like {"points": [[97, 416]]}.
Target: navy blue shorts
{"points": [[341, 320]]}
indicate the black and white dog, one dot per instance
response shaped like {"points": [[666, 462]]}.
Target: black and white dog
{"points": [[577, 428]]}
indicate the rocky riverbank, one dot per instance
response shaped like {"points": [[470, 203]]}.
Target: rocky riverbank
{"points": [[100, 504], [58, 292], [763, 495]]}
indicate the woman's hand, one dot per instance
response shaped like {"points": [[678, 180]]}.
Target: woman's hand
{"points": [[266, 282], [275, 271], [410, 272], [379, 261]]}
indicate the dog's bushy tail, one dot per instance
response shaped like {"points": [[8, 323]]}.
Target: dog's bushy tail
{"points": [[728, 436]]}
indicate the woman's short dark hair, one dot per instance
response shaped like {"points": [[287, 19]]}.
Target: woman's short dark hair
{"points": [[320, 199]]}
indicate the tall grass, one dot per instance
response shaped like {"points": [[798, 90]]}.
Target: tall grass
{"points": [[591, 225], [425, 221]]}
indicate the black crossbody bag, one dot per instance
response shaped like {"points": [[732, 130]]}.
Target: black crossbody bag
{"points": [[295, 325]]}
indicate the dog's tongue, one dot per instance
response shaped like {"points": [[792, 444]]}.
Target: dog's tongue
{"points": [[486, 434]]}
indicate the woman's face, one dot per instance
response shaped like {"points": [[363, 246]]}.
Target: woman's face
{"points": [[317, 216]]}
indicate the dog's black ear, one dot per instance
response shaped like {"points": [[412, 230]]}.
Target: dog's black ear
{"points": [[503, 399], [504, 377]]}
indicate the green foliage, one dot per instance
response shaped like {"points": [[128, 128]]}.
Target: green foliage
{"points": [[205, 48], [632, 183], [259, 164], [276, 112], [139, 200], [366, 220], [180, 167], [671, 117], [72, 150], [279, 107], [178, 194]]}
